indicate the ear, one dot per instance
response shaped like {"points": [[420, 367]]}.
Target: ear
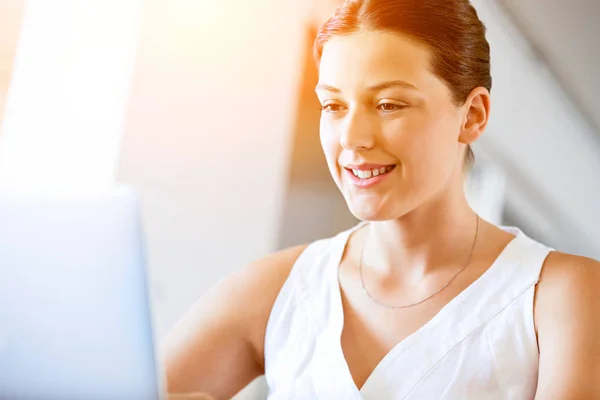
{"points": [[476, 115]]}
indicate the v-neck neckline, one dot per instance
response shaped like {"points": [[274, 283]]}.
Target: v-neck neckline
{"points": [[414, 337]]}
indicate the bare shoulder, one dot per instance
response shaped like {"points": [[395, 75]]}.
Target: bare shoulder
{"points": [[567, 320], [568, 275], [243, 300], [217, 347], [255, 288], [263, 278], [568, 284], [271, 271]]}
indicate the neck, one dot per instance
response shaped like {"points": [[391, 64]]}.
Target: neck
{"points": [[437, 236]]}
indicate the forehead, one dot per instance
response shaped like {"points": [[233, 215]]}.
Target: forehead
{"points": [[368, 57]]}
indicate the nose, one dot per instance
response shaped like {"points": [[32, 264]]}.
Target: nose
{"points": [[356, 132]]}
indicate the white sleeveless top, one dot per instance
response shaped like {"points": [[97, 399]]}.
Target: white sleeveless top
{"points": [[481, 345]]}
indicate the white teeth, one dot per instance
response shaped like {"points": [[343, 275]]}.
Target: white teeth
{"points": [[366, 174]]}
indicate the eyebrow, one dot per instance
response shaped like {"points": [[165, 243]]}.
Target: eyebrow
{"points": [[374, 88]]}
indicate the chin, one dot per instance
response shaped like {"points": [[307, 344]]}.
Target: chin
{"points": [[366, 213]]}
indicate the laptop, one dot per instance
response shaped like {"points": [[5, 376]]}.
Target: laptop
{"points": [[75, 317]]}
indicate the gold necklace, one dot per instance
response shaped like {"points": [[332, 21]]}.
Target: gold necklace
{"points": [[362, 280]]}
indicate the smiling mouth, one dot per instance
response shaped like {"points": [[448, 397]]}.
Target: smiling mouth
{"points": [[371, 173]]}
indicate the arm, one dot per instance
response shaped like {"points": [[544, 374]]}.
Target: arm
{"points": [[567, 316], [217, 347], [190, 396]]}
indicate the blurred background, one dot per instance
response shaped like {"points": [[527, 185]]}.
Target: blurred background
{"points": [[207, 108]]}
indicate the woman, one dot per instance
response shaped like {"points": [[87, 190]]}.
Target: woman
{"points": [[423, 300]]}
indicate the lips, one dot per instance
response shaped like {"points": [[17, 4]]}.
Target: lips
{"points": [[367, 175]]}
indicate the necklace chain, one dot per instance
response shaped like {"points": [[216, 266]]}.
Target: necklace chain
{"points": [[362, 280]]}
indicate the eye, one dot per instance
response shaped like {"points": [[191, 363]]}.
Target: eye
{"points": [[332, 108], [390, 107]]}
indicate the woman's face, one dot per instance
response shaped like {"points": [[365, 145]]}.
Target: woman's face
{"points": [[389, 128]]}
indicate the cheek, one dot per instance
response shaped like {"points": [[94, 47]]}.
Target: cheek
{"points": [[407, 139], [329, 144], [423, 144], [332, 150]]}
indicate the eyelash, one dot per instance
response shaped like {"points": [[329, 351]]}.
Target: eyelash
{"points": [[397, 107], [324, 108]]}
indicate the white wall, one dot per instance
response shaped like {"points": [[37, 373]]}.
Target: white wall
{"points": [[65, 106], [566, 34], [551, 155], [207, 139], [11, 16]]}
